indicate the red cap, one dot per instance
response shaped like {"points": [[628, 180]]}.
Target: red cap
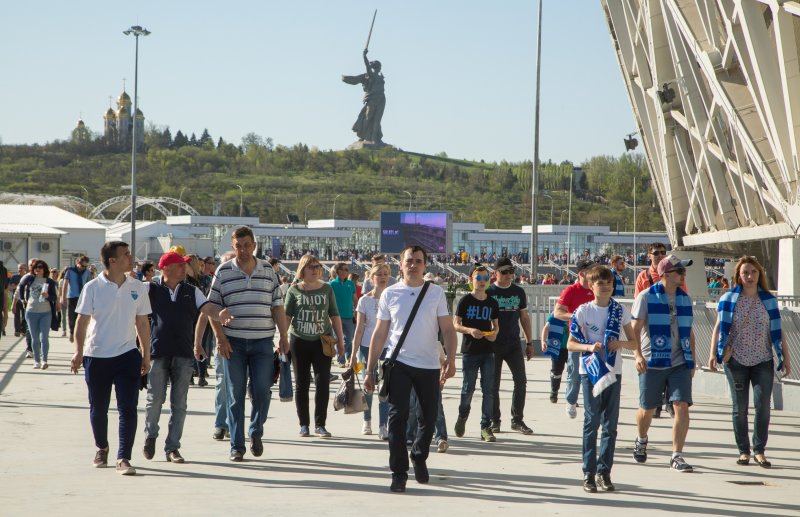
{"points": [[170, 258]]}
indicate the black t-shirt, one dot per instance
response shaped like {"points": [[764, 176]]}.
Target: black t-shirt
{"points": [[510, 301], [477, 314]]}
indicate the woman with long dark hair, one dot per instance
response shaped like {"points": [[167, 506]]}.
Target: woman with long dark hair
{"points": [[39, 294]]}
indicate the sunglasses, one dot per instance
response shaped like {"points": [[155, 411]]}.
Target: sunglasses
{"points": [[507, 272], [482, 278], [313, 266], [657, 253], [39, 267]]}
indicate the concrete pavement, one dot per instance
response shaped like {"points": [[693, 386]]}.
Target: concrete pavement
{"points": [[47, 448]]}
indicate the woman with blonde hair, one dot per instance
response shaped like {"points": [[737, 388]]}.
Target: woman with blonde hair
{"points": [[747, 331], [366, 320], [311, 308]]}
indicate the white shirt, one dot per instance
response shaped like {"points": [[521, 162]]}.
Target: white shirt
{"points": [[113, 310], [368, 306], [421, 347], [592, 319]]}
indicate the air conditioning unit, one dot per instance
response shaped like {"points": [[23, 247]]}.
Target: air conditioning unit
{"points": [[44, 247], [7, 246]]}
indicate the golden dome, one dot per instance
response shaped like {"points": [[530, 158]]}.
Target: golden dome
{"points": [[80, 123], [123, 97], [110, 114], [139, 113], [123, 113]]}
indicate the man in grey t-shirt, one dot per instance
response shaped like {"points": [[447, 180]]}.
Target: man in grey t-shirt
{"points": [[675, 378]]}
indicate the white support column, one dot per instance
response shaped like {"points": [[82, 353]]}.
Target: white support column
{"points": [[788, 271]]}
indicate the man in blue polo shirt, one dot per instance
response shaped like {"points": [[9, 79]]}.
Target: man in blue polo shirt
{"points": [[345, 292], [75, 278]]}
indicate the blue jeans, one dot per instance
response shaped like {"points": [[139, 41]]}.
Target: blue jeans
{"points": [[123, 373], [285, 388], [573, 378], [415, 417], [739, 379], [251, 357], [177, 371], [471, 364], [220, 394], [39, 328], [601, 410], [348, 329], [383, 406]]}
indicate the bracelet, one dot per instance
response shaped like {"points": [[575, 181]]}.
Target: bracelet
{"points": [[530, 343], [368, 374]]}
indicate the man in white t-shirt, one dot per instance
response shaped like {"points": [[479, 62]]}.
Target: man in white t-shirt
{"points": [[112, 311], [417, 364]]}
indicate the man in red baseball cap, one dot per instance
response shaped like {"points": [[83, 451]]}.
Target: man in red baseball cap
{"points": [[176, 306]]}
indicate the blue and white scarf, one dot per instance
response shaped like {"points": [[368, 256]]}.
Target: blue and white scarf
{"points": [[619, 287], [555, 336], [599, 364], [659, 323], [727, 303]]}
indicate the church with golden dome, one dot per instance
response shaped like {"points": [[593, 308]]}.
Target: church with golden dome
{"points": [[118, 125]]}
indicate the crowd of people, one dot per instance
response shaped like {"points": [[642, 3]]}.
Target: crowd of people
{"points": [[132, 328]]}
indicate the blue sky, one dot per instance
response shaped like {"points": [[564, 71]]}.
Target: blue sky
{"points": [[460, 75]]}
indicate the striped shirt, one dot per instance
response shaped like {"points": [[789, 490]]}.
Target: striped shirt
{"points": [[249, 298]]}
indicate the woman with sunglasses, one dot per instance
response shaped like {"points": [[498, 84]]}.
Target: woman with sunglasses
{"points": [[38, 293], [311, 306], [746, 332], [477, 318]]}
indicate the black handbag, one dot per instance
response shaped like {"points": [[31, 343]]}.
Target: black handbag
{"points": [[388, 364]]}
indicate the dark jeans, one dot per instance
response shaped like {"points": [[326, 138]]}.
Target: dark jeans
{"points": [[512, 354], [471, 365], [21, 326], [72, 304], [599, 411], [123, 372], [425, 383], [201, 367], [304, 355], [740, 378], [415, 415]]}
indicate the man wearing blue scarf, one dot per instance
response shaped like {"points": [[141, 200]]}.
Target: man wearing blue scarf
{"points": [[618, 268], [665, 358]]}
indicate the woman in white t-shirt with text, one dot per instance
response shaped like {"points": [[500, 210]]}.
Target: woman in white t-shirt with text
{"points": [[366, 319]]}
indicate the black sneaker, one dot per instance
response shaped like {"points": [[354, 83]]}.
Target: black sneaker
{"points": [[639, 451], [398, 484], [657, 414], [175, 457], [202, 382], [237, 456], [553, 397], [671, 410], [256, 447], [603, 481], [522, 428], [149, 448], [421, 471], [495, 426], [589, 484], [679, 464], [460, 427], [219, 434]]}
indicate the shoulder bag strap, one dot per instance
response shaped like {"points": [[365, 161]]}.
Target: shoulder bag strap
{"points": [[414, 310]]}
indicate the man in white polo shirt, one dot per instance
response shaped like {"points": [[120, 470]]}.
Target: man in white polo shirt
{"points": [[417, 364], [112, 310]]}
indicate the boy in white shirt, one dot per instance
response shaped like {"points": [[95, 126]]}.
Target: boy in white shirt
{"points": [[595, 331]]}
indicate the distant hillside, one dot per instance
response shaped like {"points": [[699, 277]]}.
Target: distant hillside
{"points": [[304, 181]]}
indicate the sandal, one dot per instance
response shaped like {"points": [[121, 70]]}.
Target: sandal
{"points": [[763, 461], [744, 459]]}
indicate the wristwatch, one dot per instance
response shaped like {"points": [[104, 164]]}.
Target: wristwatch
{"points": [[530, 343]]}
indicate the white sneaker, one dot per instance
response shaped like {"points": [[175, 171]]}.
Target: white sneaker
{"points": [[442, 446], [36, 366], [366, 428], [44, 365], [572, 410], [383, 433]]}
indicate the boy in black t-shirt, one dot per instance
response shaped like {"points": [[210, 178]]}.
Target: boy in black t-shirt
{"points": [[476, 318]]}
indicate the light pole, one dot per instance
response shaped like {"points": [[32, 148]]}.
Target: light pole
{"points": [[334, 206], [136, 31], [410, 198], [561, 218], [305, 212], [241, 197], [548, 196], [87, 193], [569, 215], [180, 198], [534, 251]]}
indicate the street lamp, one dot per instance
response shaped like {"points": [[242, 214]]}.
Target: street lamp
{"points": [[548, 196], [241, 197], [334, 206], [410, 198], [180, 198], [136, 31], [534, 253], [305, 212]]}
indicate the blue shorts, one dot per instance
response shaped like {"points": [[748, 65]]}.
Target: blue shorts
{"points": [[675, 381]]}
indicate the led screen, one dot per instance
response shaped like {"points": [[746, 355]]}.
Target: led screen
{"points": [[429, 230]]}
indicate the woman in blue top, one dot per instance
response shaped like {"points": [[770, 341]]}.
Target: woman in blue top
{"points": [[747, 330]]}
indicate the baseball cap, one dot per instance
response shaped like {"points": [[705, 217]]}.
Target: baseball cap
{"points": [[180, 250], [503, 264], [584, 264], [171, 257], [671, 262]]}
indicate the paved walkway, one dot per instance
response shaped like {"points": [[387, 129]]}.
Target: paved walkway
{"points": [[47, 449]]}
